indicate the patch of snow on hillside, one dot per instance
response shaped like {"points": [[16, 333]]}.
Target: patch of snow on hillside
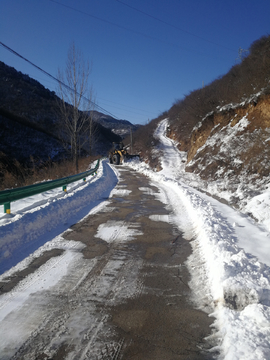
{"points": [[239, 182], [224, 137]]}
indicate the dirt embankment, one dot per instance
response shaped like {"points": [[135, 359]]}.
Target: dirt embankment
{"points": [[232, 145], [229, 149], [257, 113]]}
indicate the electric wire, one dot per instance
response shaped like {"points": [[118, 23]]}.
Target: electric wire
{"points": [[106, 21], [173, 26], [59, 81], [131, 30]]}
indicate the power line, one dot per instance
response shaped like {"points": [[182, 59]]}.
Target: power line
{"points": [[134, 31], [59, 81], [117, 104], [67, 87], [105, 21], [139, 112], [171, 25]]}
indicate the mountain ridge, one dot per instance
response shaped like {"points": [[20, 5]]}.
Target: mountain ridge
{"points": [[118, 126]]}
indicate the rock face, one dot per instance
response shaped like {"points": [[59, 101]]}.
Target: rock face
{"points": [[257, 113], [232, 144]]}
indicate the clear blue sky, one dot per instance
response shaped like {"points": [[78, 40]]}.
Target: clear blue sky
{"points": [[145, 54]]}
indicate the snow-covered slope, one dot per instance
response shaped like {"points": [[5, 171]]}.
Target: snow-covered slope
{"points": [[230, 152]]}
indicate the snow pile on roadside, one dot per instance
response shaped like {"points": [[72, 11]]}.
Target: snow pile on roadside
{"points": [[259, 207], [233, 269], [40, 218]]}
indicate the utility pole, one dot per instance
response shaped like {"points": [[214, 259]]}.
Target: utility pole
{"points": [[131, 144]]}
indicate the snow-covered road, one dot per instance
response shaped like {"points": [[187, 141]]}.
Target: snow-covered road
{"points": [[230, 263]]}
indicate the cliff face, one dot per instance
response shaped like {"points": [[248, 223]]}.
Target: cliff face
{"points": [[231, 147], [256, 112]]}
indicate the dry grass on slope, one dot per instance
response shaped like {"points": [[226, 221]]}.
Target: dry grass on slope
{"points": [[13, 174], [231, 147]]}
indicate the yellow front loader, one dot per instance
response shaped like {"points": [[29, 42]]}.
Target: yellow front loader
{"points": [[119, 154]]}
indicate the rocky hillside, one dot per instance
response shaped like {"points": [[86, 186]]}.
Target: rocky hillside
{"points": [[224, 128], [243, 80], [230, 148]]}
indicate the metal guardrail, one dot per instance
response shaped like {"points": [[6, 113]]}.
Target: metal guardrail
{"points": [[7, 196]]}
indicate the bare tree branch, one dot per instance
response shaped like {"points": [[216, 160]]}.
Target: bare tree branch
{"points": [[76, 105]]}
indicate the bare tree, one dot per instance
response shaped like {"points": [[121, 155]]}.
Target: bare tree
{"points": [[92, 132], [75, 105]]}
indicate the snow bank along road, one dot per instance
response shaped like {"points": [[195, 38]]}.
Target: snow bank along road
{"points": [[113, 286]]}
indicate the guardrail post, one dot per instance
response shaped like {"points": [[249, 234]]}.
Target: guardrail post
{"points": [[7, 208]]}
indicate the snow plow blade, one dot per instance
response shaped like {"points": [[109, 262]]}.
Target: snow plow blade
{"points": [[127, 157]]}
